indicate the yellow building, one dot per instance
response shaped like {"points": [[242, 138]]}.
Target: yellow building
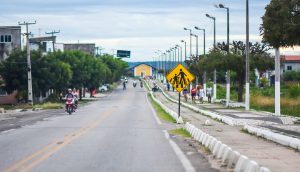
{"points": [[143, 70]]}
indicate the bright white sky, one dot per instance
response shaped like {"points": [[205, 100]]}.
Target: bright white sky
{"points": [[141, 26]]}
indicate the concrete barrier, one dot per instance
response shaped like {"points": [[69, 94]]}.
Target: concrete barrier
{"points": [[275, 137], [252, 166], [226, 155], [221, 151], [216, 148], [212, 144], [233, 158], [208, 141], [204, 139], [241, 164]]}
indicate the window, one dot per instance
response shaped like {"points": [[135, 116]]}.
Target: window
{"points": [[5, 38], [2, 92], [289, 68]]}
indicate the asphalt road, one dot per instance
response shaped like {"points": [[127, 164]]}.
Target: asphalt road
{"points": [[116, 133]]}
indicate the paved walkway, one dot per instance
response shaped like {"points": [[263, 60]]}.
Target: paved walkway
{"points": [[266, 153]]}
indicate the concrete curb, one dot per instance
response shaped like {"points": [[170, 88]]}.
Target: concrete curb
{"points": [[214, 115], [173, 114], [232, 159], [275, 137]]}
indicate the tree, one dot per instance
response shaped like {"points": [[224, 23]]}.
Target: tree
{"points": [[235, 61], [14, 73], [281, 28]]}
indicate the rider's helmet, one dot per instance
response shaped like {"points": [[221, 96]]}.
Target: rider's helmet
{"points": [[69, 90]]}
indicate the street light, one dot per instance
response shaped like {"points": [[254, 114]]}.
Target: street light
{"points": [[196, 36], [197, 28], [214, 19], [184, 50], [190, 41], [222, 6], [215, 71], [179, 54], [228, 72]]}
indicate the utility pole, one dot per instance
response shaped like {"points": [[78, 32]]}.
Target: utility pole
{"points": [[30, 95], [52, 34], [247, 96]]}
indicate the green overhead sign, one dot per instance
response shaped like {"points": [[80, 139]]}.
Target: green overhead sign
{"points": [[123, 54]]}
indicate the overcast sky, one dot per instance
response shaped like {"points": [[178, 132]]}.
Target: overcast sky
{"points": [[141, 26]]}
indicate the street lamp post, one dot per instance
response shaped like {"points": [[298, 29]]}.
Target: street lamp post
{"points": [[227, 47], [196, 36], [214, 19], [215, 71], [184, 50], [204, 74], [197, 28], [190, 41], [179, 53]]}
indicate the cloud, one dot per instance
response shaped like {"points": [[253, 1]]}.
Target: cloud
{"points": [[141, 26]]}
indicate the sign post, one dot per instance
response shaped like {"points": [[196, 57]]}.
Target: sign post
{"points": [[179, 78]]}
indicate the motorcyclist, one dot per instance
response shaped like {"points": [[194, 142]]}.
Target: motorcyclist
{"points": [[68, 96], [141, 84], [124, 85], [76, 97]]}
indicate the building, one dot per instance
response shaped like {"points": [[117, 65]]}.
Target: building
{"points": [[143, 70], [10, 38], [44, 44], [88, 48], [290, 63]]}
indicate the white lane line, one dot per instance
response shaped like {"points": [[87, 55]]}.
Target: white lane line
{"points": [[153, 112], [7, 131], [183, 159]]}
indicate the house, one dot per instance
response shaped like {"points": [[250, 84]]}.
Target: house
{"points": [[290, 63], [143, 70], [10, 38]]}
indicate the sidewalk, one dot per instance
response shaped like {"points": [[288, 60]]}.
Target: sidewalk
{"points": [[266, 153]]}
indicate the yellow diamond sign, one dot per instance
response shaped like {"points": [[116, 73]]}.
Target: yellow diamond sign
{"points": [[180, 77]]}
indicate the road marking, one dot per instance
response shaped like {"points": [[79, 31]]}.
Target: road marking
{"points": [[153, 111], [183, 159], [7, 131], [28, 163]]}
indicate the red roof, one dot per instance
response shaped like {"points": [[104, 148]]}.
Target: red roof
{"points": [[291, 58]]}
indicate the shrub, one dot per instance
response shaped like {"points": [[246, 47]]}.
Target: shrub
{"points": [[291, 76]]}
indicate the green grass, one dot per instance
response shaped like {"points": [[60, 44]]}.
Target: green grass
{"points": [[262, 99], [162, 114], [181, 132], [49, 106]]}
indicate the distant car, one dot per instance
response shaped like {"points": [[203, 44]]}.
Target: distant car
{"points": [[103, 88]]}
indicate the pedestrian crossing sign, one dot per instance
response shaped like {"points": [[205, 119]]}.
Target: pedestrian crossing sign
{"points": [[180, 77]]}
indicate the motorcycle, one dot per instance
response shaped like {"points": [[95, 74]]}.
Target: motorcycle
{"points": [[134, 84], [141, 84], [70, 106]]}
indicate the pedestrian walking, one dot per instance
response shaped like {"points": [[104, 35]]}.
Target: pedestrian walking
{"points": [[201, 94], [185, 92], [193, 94], [208, 93]]}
